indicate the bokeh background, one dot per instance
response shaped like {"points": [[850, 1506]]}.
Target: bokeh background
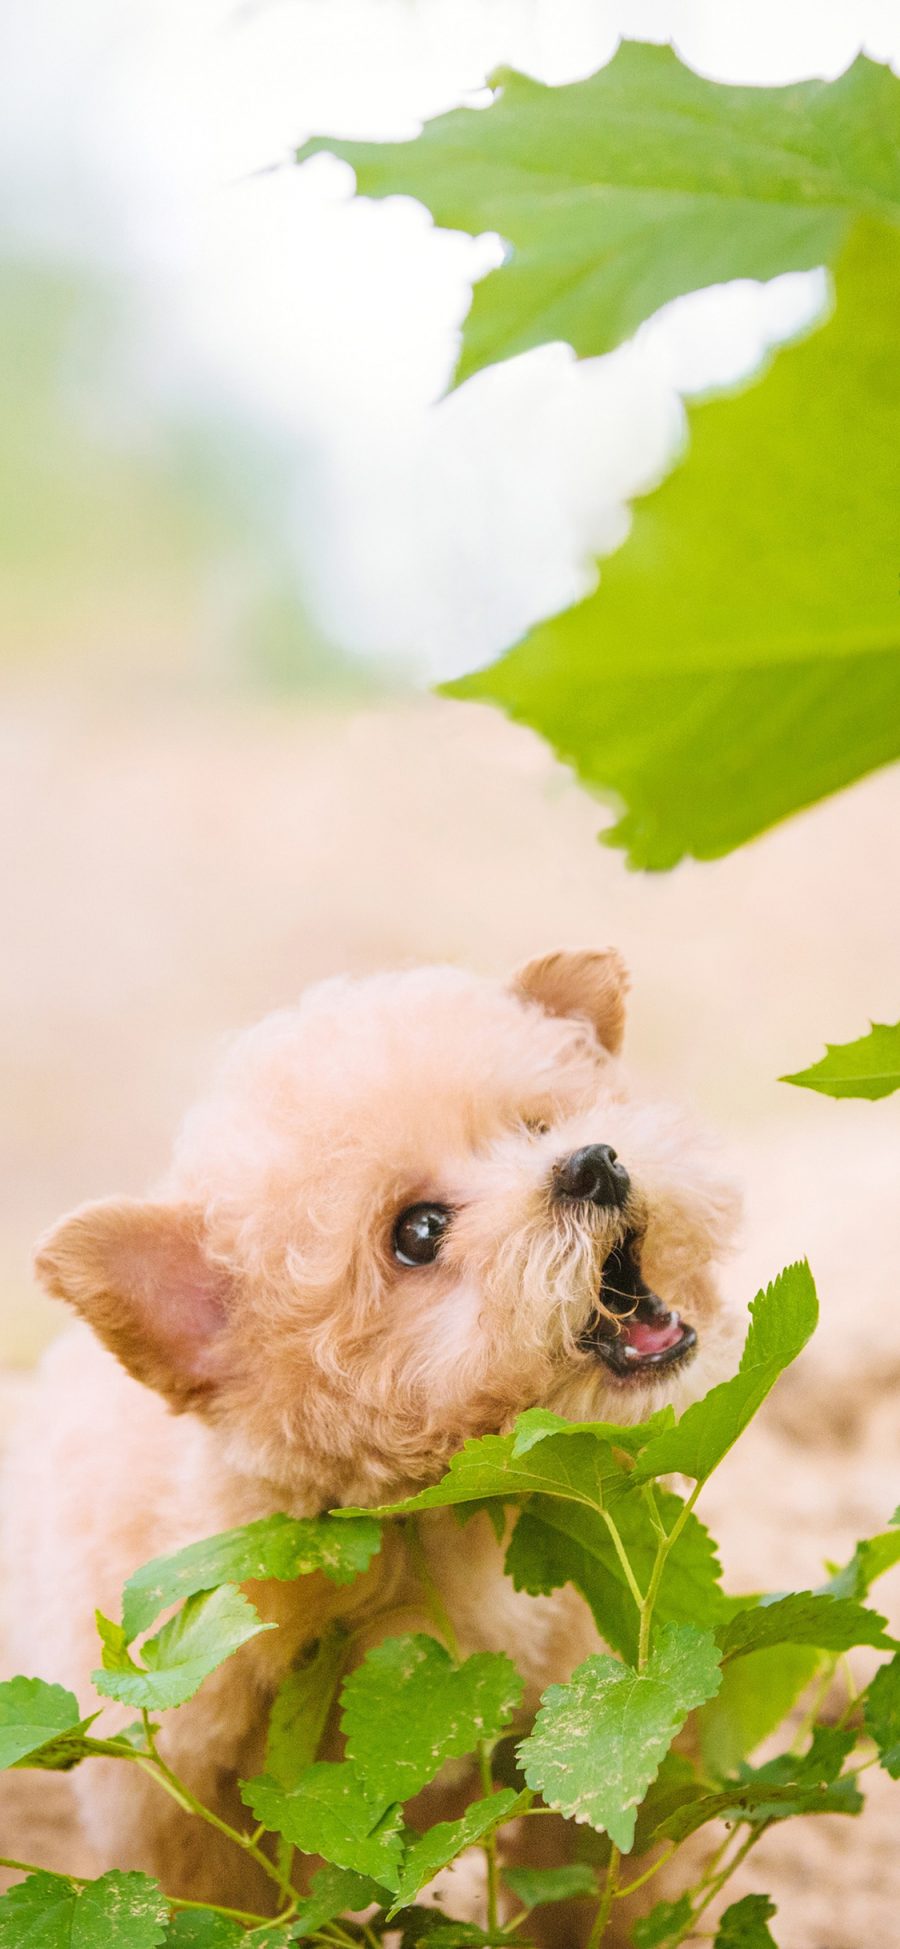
{"points": [[241, 529]]}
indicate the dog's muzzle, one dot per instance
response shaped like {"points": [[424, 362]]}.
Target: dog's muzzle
{"points": [[593, 1175], [636, 1335]]}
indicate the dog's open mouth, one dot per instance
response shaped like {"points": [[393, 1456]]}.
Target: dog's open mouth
{"points": [[644, 1335]]}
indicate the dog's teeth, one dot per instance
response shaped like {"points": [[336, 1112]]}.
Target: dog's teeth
{"points": [[631, 1353]]}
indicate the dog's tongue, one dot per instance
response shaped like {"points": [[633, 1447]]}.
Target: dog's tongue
{"points": [[652, 1336]]}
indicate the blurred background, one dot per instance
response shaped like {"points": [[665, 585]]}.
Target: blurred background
{"points": [[242, 529]]}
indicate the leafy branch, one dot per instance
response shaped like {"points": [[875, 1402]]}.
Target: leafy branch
{"points": [[600, 1753]]}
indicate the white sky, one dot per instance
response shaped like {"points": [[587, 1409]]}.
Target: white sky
{"points": [[436, 531]]}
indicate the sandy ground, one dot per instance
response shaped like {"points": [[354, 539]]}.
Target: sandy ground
{"points": [[167, 875]]}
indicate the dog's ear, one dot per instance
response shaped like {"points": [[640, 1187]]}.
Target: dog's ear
{"points": [[138, 1273], [588, 982]]}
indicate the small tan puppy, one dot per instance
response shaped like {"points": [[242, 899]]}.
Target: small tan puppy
{"points": [[411, 1207]]}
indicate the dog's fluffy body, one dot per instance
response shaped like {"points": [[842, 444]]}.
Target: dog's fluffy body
{"points": [[259, 1297]]}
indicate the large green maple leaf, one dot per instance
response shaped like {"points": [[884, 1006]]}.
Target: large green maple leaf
{"points": [[739, 659], [638, 184]]}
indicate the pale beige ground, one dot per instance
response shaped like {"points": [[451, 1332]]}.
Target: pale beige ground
{"points": [[166, 874]]}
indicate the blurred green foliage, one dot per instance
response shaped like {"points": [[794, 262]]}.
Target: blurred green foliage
{"points": [[144, 534]]}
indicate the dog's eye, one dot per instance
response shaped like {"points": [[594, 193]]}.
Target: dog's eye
{"points": [[418, 1233]]}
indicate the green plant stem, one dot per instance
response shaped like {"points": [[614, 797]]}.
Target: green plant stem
{"points": [[646, 1603], [712, 1888], [606, 1900], [157, 1769], [244, 1841], [242, 1915], [444, 1626], [32, 1868], [853, 1772], [651, 1506], [632, 1886], [490, 1842], [284, 1859], [811, 1714], [622, 1555], [853, 1696], [714, 1859]]}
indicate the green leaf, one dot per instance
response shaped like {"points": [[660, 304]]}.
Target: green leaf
{"points": [[781, 1321], [580, 1467], [209, 1627], [597, 1742], [870, 1560], [787, 1785], [431, 1852], [329, 1811], [585, 1462], [432, 1930], [676, 1785], [756, 1694], [332, 1892], [135, 1735], [534, 1887], [270, 1936], [116, 1655], [666, 1920], [493, 1507], [283, 1547], [868, 1067], [120, 1911], [204, 1929], [804, 1617], [818, 1767], [301, 1706], [743, 1925], [41, 1723], [882, 1715], [407, 1708], [538, 1424], [555, 1543], [606, 226], [712, 690]]}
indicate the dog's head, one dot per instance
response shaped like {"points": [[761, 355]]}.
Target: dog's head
{"points": [[413, 1206]]}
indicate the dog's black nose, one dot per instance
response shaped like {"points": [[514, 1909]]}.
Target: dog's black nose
{"points": [[593, 1175]]}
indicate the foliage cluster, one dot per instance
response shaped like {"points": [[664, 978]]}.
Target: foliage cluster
{"points": [[647, 1743]]}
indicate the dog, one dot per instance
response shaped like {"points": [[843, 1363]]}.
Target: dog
{"points": [[412, 1206]]}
